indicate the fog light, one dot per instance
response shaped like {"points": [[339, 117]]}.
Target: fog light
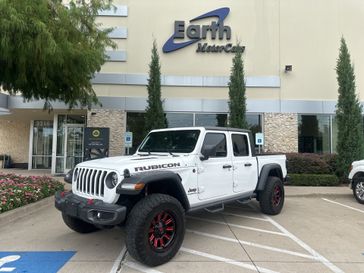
{"points": [[101, 215]]}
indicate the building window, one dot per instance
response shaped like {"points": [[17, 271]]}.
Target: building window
{"points": [[219, 120], [42, 144], [179, 119], [135, 123], [314, 134], [254, 123]]}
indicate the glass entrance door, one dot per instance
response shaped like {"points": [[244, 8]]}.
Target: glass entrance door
{"points": [[73, 143], [68, 146]]}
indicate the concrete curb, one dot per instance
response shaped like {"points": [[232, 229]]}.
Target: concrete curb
{"points": [[302, 191], [15, 214], [312, 195]]}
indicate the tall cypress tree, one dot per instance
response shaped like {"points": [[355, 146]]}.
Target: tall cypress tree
{"points": [[350, 144], [154, 118], [237, 99]]}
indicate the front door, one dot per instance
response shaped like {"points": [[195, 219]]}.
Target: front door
{"points": [[73, 143], [244, 165], [215, 174]]}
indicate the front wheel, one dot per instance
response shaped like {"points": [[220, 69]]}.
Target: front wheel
{"points": [[155, 229], [272, 197], [358, 191]]}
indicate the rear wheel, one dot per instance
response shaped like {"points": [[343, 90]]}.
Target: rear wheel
{"points": [[155, 229], [358, 190], [78, 225], [272, 197]]}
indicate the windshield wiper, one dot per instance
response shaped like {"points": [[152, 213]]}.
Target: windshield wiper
{"points": [[144, 154], [172, 154]]}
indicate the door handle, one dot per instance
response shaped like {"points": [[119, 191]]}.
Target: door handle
{"points": [[227, 166], [248, 164]]}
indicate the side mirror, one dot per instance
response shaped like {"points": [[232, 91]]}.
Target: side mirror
{"points": [[207, 152]]}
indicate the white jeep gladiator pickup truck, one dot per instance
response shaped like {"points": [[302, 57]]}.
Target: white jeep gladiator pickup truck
{"points": [[174, 171], [356, 177]]}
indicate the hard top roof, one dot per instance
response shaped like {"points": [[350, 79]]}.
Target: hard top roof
{"points": [[209, 128], [230, 129]]}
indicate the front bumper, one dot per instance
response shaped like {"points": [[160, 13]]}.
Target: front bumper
{"points": [[96, 212]]}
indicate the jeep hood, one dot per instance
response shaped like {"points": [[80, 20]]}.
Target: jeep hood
{"points": [[136, 163]]}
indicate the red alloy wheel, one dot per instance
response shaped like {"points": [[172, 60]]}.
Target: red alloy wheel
{"points": [[277, 196], [161, 231]]}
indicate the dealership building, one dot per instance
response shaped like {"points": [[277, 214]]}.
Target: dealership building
{"points": [[290, 53]]}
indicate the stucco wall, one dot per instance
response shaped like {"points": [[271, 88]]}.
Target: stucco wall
{"points": [[14, 139]]}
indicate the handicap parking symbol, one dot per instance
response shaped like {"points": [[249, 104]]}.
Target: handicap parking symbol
{"points": [[34, 261]]}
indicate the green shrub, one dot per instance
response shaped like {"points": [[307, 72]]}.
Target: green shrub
{"points": [[313, 180], [307, 163], [331, 160]]}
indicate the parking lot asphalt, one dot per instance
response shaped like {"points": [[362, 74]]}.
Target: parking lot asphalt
{"points": [[313, 233]]}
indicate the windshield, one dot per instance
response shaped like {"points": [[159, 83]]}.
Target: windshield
{"points": [[183, 141]]}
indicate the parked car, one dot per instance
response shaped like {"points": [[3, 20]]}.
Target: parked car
{"points": [[356, 177], [174, 171]]}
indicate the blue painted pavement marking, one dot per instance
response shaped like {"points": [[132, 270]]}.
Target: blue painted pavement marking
{"points": [[34, 261]]}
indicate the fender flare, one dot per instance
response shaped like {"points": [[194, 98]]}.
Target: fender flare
{"points": [[264, 173], [151, 177]]}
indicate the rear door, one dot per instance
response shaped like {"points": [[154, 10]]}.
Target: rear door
{"points": [[215, 174], [245, 170]]}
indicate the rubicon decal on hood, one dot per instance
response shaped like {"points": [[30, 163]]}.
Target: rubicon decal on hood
{"points": [[155, 167], [195, 33]]}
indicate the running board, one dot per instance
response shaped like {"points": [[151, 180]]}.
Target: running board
{"points": [[244, 201], [214, 209]]}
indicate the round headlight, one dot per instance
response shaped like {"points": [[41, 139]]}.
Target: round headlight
{"points": [[111, 180]]}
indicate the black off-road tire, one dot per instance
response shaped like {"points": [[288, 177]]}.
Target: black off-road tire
{"points": [[272, 197], [358, 189], [143, 224], [78, 225]]}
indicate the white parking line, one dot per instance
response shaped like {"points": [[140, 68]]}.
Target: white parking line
{"points": [[244, 216], [237, 226], [293, 253], [314, 253], [228, 261], [141, 268], [117, 262], [346, 206]]}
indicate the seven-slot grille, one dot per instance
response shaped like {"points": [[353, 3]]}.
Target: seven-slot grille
{"points": [[90, 181]]}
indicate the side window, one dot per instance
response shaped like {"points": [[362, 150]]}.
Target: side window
{"points": [[216, 142], [240, 145]]}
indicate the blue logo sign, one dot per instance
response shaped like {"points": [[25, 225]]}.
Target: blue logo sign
{"points": [[195, 33], [34, 262]]}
